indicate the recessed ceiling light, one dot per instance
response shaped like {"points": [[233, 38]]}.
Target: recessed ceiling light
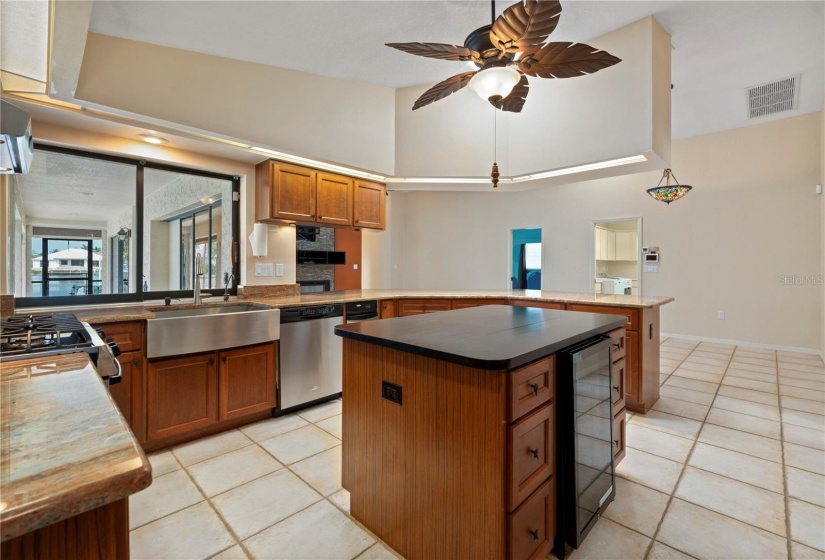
{"points": [[152, 139]]}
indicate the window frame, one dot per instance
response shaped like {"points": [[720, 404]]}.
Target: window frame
{"points": [[139, 295]]}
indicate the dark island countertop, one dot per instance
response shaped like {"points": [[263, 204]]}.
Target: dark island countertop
{"points": [[490, 337]]}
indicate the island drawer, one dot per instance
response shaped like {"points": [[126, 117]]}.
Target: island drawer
{"points": [[532, 527], [532, 453], [618, 437], [632, 314], [128, 336], [619, 347], [531, 386], [617, 382]]}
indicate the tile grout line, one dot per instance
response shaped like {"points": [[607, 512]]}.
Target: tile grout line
{"points": [[672, 495], [787, 499]]}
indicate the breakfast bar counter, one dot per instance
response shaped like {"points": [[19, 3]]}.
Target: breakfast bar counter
{"points": [[68, 461]]}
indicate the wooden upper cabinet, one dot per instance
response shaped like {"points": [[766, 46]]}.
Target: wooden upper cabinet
{"points": [[293, 195], [370, 206], [333, 199], [289, 193]]}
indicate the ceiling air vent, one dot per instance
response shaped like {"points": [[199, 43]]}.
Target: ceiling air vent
{"points": [[774, 97]]}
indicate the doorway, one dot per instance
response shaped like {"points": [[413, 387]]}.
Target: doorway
{"points": [[616, 261], [525, 256]]}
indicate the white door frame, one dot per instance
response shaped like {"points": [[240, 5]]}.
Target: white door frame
{"points": [[592, 267], [510, 254]]}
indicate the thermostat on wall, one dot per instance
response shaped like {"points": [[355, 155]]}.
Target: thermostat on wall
{"points": [[652, 257], [645, 250]]}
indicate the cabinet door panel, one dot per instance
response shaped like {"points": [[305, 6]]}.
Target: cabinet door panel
{"points": [[293, 195], [369, 208], [418, 306], [387, 307], [182, 395], [532, 453], [532, 527], [247, 381], [333, 199]]}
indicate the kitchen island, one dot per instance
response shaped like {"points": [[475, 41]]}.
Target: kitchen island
{"points": [[449, 428], [68, 462]]}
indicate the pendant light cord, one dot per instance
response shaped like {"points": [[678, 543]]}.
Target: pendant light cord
{"points": [[495, 135]]}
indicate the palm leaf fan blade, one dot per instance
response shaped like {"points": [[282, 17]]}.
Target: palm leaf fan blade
{"points": [[525, 24], [443, 89], [564, 60], [441, 51]]}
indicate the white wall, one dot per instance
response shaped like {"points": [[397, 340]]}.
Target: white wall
{"points": [[304, 114], [751, 218], [620, 111]]}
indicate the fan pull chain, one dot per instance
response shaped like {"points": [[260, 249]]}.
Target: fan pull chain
{"points": [[494, 174]]}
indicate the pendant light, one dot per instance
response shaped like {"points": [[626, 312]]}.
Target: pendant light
{"points": [[667, 193]]}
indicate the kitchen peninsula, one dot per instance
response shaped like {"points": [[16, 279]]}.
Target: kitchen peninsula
{"points": [[68, 464], [450, 425]]}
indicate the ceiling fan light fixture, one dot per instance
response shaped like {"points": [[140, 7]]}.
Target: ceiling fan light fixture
{"points": [[495, 83]]}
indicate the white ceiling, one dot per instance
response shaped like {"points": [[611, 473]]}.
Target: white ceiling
{"points": [[720, 47]]}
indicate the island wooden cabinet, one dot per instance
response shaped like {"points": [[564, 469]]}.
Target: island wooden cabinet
{"points": [[618, 382], [292, 194], [386, 309], [460, 303], [333, 199], [370, 202], [471, 452], [190, 393]]}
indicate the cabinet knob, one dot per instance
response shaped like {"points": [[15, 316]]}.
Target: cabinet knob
{"points": [[211, 361], [616, 388], [616, 442], [136, 362], [534, 534], [223, 359], [535, 388], [534, 453]]}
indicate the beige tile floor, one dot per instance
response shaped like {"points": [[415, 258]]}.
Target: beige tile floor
{"points": [[730, 463]]}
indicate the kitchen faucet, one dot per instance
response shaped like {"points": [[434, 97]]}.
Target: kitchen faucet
{"points": [[198, 275], [229, 280]]}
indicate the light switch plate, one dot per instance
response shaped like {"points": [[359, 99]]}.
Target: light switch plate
{"points": [[279, 270], [263, 269], [355, 267], [652, 268]]}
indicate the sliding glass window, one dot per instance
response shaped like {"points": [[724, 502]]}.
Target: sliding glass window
{"points": [[87, 228]]}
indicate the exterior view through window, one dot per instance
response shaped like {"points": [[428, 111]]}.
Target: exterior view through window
{"points": [[526, 259]]}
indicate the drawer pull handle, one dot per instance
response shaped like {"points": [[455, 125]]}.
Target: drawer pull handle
{"points": [[535, 534], [616, 442], [535, 388], [136, 362], [533, 452], [616, 388]]}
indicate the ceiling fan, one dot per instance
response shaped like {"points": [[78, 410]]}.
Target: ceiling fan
{"points": [[506, 52]]}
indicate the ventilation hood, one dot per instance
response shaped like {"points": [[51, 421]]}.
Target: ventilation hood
{"points": [[16, 142]]}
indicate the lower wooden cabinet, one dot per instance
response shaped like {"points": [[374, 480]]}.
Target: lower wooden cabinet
{"points": [[621, 355], [406, 307], [190, 393], [126, 394], [247, 381], [387, 309], [182, 395], [465, 303], [532, 453], [541, 304], [618, 437]]}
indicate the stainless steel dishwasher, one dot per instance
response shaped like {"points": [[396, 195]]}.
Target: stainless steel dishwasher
{"points": [[311, 356]]}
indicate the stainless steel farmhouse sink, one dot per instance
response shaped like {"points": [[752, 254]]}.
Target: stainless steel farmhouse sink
{"points": [[204, 329]]}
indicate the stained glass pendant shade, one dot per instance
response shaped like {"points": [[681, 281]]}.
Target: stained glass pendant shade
{"points": [[667, 193]]}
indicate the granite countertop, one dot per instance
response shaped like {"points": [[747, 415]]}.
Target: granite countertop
{"points": [[136, 312], [491, 337], [66, 448]]}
